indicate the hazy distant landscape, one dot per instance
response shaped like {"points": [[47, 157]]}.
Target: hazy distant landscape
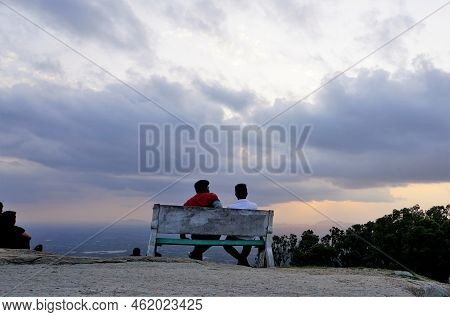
{"points": [[121, 238]]}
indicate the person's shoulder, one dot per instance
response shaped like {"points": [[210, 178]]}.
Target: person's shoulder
{"points": [[213, 196], [243, 204], [251, 205], [190, 201], [19, 229], [14, 230], [234, 205]]}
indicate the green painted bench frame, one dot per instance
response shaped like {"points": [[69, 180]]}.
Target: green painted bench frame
{"points": [[167, 241], [168, 219]]}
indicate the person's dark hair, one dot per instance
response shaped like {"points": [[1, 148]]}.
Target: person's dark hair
{"points": [[1, 207], [201, 186], [39, 248], [8, 218], [240, 190], [136, 252]]}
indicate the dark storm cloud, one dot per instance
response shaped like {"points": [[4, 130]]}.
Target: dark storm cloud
{"points": [[235, 99], [110, 22], [379, 129], [376, 129], [27, 182], [71, 142], [89, 131], [47, 65]]}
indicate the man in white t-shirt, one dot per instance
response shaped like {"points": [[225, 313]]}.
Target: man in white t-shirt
{"points": [[240, 190]]}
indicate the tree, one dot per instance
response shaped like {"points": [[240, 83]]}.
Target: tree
{"points": [[282, 248], [419, 240]]}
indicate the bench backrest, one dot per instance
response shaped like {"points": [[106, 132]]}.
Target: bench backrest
{"points": [[204, 220]]}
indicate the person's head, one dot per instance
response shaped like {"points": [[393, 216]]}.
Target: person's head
{"points": [[136, 252], [39, 248], [1, 207], [8, 218], [202, 186], [240, 190]]}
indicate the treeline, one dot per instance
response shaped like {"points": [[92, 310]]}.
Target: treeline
{"points": [[410, 237]]}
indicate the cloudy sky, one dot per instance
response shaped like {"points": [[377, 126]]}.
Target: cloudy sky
{"points": [[69, 130]]}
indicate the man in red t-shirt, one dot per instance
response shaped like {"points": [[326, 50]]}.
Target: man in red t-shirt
{"points": [[203, 198]]}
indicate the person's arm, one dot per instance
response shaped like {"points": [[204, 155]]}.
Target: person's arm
{"points": [[26, 235], [217, 204]]}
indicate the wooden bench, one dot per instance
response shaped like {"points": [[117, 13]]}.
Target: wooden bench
{"points": [[214, 221]]}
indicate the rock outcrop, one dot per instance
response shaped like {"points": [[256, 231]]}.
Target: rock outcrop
{"points": [[30, 273]]}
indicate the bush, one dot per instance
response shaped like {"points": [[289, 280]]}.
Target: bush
{"points": [[405, 239]]}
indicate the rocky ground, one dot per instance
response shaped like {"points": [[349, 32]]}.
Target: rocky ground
{"points": [[29, 273]]}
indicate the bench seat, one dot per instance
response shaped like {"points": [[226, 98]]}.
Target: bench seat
{"points": [[176, 220]]}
